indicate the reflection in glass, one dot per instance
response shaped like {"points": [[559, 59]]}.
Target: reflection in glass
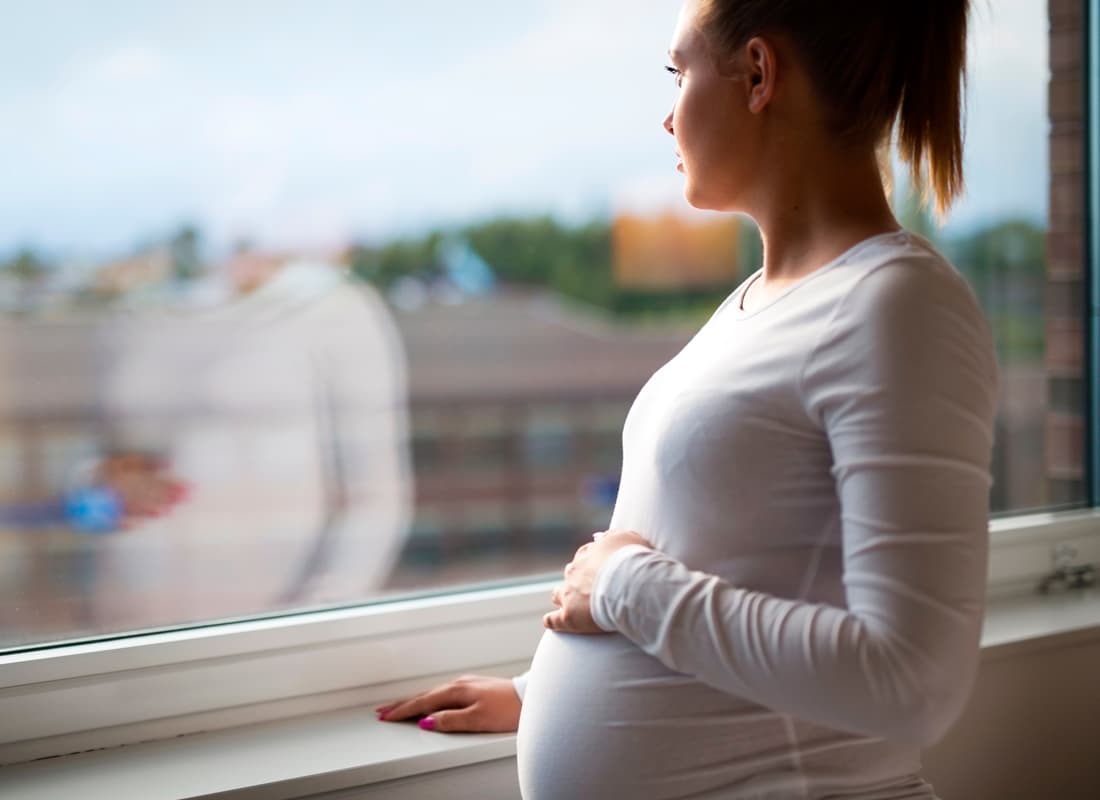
{"points": [[188, 460], [201, 418]]}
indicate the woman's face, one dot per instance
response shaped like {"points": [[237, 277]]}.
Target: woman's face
{"points": [[710, 121]]}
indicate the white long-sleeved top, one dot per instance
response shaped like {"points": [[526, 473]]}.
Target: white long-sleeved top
{"points": [[285, 410], [813, 476]]}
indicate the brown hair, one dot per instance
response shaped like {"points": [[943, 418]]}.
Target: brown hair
{"points": [[879, 64]]}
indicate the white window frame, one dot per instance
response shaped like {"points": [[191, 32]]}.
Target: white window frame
{"points": [[77, 696], [69, 698]]}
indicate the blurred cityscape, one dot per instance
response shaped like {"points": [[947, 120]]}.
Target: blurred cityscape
{"points": [[526, 340], [251, 407]]}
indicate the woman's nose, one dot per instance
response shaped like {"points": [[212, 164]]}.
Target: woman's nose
{"points": [[667, 124]]}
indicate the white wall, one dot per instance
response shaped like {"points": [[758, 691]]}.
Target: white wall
{"points": [[1031, 730]]}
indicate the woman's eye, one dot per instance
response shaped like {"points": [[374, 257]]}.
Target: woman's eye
{"points": [[676, 74]]}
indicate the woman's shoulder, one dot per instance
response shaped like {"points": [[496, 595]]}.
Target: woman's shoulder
{"points": [[906, 318], [905, 277], [899, 298]]}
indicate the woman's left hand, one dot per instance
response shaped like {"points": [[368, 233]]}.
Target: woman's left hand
{"points": [[574, 595]]}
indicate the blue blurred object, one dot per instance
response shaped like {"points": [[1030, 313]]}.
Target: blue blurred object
{"points": [[94, 509], [601, 490], [467, 270]]}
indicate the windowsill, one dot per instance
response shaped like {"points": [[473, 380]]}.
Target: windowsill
{"points": [[337, 750]]}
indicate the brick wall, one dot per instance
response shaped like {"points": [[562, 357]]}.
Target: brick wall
{"points": [[1065, 430]]}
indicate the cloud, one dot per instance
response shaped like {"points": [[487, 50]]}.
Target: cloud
{"points": [[132, 63], [296, 124]]}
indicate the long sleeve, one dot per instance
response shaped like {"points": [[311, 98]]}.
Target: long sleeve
{"points": [[519, 683], [362, 405], [903, 383]]}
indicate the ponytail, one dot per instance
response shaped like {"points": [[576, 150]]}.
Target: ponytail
{"points": [[930, 117], [881, 66]]}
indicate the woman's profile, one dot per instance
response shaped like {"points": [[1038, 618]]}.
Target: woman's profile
{"points": [[788, 600]]}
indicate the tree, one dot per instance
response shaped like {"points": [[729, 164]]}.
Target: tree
{"points": [[1005, 264], [575, 261], [407, 257], [27, 267], [28, 271], [184, 247]]}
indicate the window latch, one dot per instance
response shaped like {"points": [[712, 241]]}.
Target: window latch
{"points": [[1067, 573]]}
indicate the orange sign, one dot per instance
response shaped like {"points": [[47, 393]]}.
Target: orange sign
{"points": [[673, 252]]}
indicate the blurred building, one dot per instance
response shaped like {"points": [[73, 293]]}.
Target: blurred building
{"points": [[129, 277], [518, 403], [1066, 268], [517, 406]]}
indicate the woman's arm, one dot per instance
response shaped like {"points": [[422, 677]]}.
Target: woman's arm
{"points": [[903, 382], [361, 402]]}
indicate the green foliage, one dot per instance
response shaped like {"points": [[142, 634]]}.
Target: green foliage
{"points": [[184, 248], [26, 266], [412, 257], [1006, 265], [1008, 253], [750, 249], [573, 261], [532, 251]]}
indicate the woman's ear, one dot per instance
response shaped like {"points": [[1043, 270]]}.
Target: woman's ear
{"points": [[761, 72]]}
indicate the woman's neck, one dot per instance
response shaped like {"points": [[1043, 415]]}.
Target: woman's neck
{"points": [[816, 209]]}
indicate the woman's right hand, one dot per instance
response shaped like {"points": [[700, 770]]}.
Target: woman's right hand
{"points": [[470, 704], [144, 485]]}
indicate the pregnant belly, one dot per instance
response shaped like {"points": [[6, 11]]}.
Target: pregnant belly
{"points": [[602, 719]]}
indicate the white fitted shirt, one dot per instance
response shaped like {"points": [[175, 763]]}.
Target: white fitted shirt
{"points": [[285, 411], [813, 475]]}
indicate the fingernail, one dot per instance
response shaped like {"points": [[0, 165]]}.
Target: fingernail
{"points": [[427, 724], [381, 716], [598, 535]]}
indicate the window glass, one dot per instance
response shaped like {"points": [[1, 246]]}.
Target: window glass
{"points": [[307, 304]]}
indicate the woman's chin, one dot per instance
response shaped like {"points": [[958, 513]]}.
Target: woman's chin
{"points": [[698, 199]]}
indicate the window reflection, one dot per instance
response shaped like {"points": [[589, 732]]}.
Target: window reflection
{"points": [[302, 336], [210, 448]]}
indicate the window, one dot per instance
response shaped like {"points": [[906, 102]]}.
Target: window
{"points": [[379, 286]]}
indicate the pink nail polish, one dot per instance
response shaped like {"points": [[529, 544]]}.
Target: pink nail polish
{"points": [[427, 724], [381, 716]]}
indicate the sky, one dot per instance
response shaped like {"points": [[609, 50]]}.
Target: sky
{"points": [[310, 123]]}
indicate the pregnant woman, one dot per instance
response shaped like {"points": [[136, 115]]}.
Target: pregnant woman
{"points": [[788, 601]]}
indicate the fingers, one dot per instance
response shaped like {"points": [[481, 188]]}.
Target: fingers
{"points": [[462, 720], [571, 620], [450, 696], [558, 620], [556, 596], [485, 705], [561, 621]]}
